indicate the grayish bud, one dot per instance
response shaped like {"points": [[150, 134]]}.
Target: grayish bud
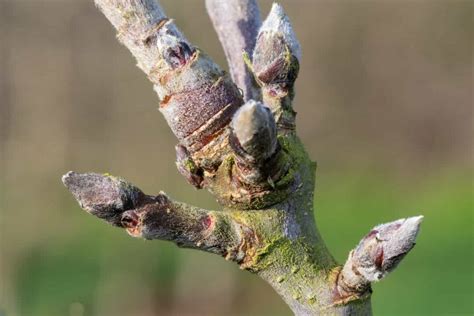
{"points": [[254, 127], [379, 253], [104, 196], [278, 23], [385, 246], [275, 59]]}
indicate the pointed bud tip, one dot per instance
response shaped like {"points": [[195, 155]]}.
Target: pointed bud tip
{"points": [[276, 17], [409, 222], [277, 11], [409, 229], [415, 219], [278, 22]]}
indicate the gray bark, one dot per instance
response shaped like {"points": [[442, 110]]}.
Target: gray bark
{"points": [[237, 23]]}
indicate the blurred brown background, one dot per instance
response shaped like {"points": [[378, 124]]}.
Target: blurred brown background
{"points": [[384, 99]]}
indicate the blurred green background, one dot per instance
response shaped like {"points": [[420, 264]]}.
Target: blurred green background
{"points": [[385, 106]]}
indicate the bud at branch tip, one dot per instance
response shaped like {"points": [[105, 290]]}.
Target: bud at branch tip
{"points": [[254, 128]]}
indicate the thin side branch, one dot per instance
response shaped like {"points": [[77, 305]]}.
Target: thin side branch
{"points": [[157, 217], [236, 23], [198, 99]]}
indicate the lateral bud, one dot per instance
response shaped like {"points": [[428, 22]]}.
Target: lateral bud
{"points": [[259, 161], [254, 133], [385, 246], [174, 48], [377, 254], [276, 56]]}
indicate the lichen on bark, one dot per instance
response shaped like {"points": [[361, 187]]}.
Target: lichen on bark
{"points": [[247, 155]]}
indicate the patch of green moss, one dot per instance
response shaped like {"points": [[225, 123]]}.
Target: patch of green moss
{"points": [[189, 165]]}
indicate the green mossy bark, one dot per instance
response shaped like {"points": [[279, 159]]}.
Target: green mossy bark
{"points": [[286, 248]]}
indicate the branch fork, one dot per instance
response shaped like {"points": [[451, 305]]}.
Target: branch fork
{"points": [[243, 148]]}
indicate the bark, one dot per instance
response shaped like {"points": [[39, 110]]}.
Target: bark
{"points": [[247, 155], [237, 24]]}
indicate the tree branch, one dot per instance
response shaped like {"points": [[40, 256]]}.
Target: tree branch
{"points": [[121, 204], [198, 99], [236, 23], [248, 157]]}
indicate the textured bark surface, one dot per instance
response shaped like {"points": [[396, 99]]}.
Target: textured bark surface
{"points": [[237, 24], [246, 154]]}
